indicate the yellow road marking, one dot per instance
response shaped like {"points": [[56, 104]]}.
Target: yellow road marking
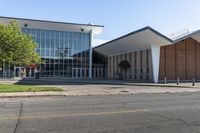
{"points": [[75, 115]]}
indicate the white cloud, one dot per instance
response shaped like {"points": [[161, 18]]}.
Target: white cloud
{"points": [[97, 42]]}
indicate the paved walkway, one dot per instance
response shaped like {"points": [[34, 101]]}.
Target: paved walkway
{"points": [[65, 81], [97, 87]]}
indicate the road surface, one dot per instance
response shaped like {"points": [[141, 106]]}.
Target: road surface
{"points": [[141, 113]]}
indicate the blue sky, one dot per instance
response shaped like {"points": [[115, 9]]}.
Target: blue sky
{"points": [[118, 16]]}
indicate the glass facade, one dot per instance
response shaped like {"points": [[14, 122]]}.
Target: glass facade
{"points": [[66, 53]]}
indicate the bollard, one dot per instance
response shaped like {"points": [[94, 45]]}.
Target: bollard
{"points": [[165, 80], [177, 81], [193, 82]]}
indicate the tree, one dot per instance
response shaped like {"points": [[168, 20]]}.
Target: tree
{"points": [[15, 46]]}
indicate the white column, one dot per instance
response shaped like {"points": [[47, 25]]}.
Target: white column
{"points": [[155, 54], [90, 60]]}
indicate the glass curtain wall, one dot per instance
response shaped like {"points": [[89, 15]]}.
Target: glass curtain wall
{"points": [[63, 51]]}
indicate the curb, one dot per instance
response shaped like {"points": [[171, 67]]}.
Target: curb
{"points": [[29, 96], [115, 83], [157, 85], [131, 84]]}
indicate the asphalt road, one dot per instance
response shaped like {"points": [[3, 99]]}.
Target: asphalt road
{"points": [[141, 113]]}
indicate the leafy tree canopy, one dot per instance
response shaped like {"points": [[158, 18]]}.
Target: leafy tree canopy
{"points": [[15, 46]]}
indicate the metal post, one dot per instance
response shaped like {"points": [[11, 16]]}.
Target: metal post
{"points": [[193, 82], [178, 81], [165, 80]]}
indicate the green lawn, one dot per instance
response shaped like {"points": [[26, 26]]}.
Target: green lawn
{"points": [[26, 88]]}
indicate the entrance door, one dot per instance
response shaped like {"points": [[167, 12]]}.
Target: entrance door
{"points": [[79, 72], [20, 72], [30, 73], [75, 72]]}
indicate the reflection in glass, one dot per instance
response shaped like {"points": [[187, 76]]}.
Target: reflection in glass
{"points": [[63, 51]]}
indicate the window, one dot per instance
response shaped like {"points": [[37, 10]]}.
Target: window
{"points": [[141, 70], [147, 70], [62, 49], [25, 25]]}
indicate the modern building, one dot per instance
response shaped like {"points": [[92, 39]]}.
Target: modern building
{"points": [[66, 47], [150, 56], [144, 55]]}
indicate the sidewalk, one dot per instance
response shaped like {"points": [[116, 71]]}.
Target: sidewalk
{"points": [[85, 90], [74, 87], [65, 81]]}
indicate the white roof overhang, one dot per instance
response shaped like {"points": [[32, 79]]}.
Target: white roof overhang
{"points": [[195, 35], [134, 41], [53, 25]]}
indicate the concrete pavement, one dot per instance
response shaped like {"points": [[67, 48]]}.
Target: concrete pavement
{"points": [[141, 113], [67, 81], [95, 87], [84, 90]]}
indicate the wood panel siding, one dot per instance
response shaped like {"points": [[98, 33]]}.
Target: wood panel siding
{"points": [[162, 70], [170, 62], [190, 57], [180, 60], [197, 60]]}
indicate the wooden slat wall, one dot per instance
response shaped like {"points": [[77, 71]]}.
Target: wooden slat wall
{"points": [[170, 62], [162, 63], [197, 60], [180, 60], [190, 65]]}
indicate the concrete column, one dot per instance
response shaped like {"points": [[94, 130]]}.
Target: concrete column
{"points": [[155, 51], [90, 60]]}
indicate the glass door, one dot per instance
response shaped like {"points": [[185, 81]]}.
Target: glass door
{"points": [[30, 73], [20, 72]]}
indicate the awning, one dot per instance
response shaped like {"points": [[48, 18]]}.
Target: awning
{"points": [[134, 41]]}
